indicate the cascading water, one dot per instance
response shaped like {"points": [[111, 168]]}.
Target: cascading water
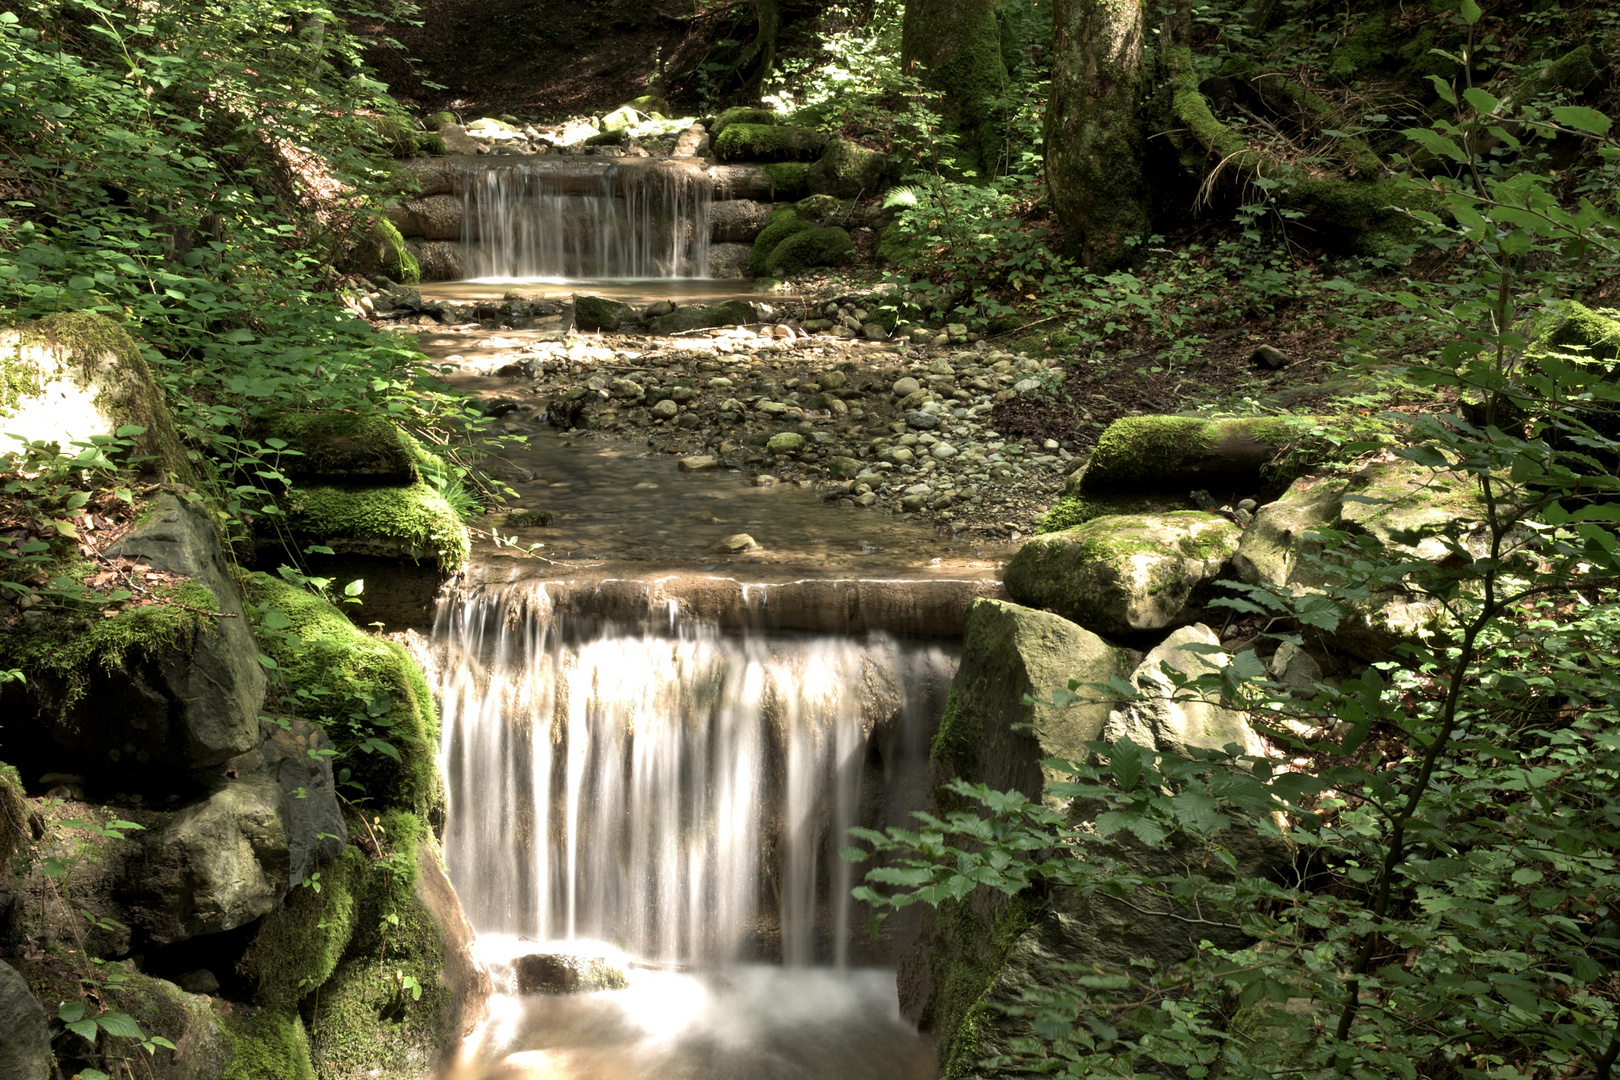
{"points": [[581, 219], [680, 794]]}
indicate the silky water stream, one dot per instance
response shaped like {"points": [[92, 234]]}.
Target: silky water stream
{"points": [[669, 799]]}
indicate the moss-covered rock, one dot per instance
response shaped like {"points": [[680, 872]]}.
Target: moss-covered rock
{"points": [[76, 376], [344, 448], [788, 179], [413, 522], [1073, 509], [784, 223], [1582, 345], [1395, 513], [270, 1046], [822, 210], [848, 170], [382, 250], [810, 249], [354, 686], [300, 943], [701, 317], [1126, 576], [769, 142], [601, 313], [435, 121], [742, 114]]}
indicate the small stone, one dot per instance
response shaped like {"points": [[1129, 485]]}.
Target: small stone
{"points": [[771, 408], [866, 498], [624, 388], [899, 455], [698, 464], [905, 387], [944, 451], [911, 504], [1248, 504], [786, 442], [874, 332], [1268, 357], [737, 542], [921, 420], [665, 410], [782, 331], [764, 480], [1024, 386], [832, 380], [843, 468], [1052, 444]]}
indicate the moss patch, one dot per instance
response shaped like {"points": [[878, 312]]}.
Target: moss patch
{"points": [[1072, 510], [413, 521], [784, 223], [741, 114], [808, 249], [394, 257], [336, 671], [345, 446], [301, 943], [968, 953], [789, 179], [767, 142], [271, 1046]]}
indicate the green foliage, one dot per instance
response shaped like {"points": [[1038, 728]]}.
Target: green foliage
{"points": [[271, 1046], [1448, 911]]}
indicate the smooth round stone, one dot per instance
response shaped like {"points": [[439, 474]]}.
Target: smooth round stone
{"points": [[911, 504], [905, 387], [944, 451], [764, 480], [921, 420], [1024, 386], [665, 410], [737, 542], [866, 498], [832, 380], [785, 442]]}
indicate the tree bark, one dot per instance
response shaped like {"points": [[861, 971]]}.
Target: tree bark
{"points": [[1094, 129], [955, 47]]}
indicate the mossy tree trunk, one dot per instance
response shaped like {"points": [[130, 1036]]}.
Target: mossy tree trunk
{"points": [[1094, 133], [955, 46]]}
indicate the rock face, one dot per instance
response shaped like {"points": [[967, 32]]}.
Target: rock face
{"points": [[1126, 575], [438, 217], [559, 973], [738, 221], [25, 1038], [1409, 512]]}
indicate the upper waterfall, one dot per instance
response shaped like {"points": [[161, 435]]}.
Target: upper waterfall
{"points": [[577, 218]]}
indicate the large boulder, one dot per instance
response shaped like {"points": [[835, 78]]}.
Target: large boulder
{"points": [[297, 757], [1171, 721], [1393, 512], [785, 222], [217, 865], [602, 314], [729, 262], [437, 217], [25, 1038], [810, 249], [78, 376], [1126, 575], [768, 142], [738, 221], [438, 260], [703, 317], [849, 170]]}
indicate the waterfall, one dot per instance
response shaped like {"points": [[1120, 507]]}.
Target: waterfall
{"points": [[581, 219], [668, 788]]}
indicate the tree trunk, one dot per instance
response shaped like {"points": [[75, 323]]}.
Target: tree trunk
{"points": [[955, 46], [1094, 133]]}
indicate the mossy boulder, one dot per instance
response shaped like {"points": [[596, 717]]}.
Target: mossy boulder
{"points": [[434, 217], [784, 223], [435, 121], [1578, 344], [810, 249], [650, 104], [1395, 513], [849, 170], [769, 142], [412, 522], [742, 114], [270, 1046], [1126, 576], [563, 973], [1076, 509], [380, 249], [1139, 454], [787, 179], [786, 442], [602, 314], [78, 376], [703, 317], [344, 448], [822, 210]]}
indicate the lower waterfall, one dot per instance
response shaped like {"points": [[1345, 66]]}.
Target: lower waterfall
{"points": [[675, 797]]}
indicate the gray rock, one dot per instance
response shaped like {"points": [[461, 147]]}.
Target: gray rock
{"points": [[737, 542], [297, 759], [729, 262], [25, 1038], [922, 420], [1163, 719], [874, 332], [217, 865], [699, 317], [191, 707], [738, 221], [905, 387], [1295, 668], [665, 410], [560, 973], [1128, 574], [438, 217], [1268, 357]]}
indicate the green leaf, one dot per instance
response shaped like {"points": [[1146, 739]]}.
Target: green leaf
{"points": [[1481, 101], [70, 1012], [84, 1028], [120, 1024], [1470, 12], [1582, 119]]}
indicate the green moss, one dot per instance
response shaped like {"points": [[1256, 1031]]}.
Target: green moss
{"points": [[394, 257], [789, 179], [414, 521], [14, 811], [428, 142], [395, 134], [1144, 450], [849, 170], [741, 114], [820, 209], [1073, 509], [957, 738], [345, 445], [301, 942], [809, 249], [435, 121], [963, 983], [271, 1046], [1572, 72], [530, 519], [764, 142], [784, 223], [332, 665], [68, 650]]}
